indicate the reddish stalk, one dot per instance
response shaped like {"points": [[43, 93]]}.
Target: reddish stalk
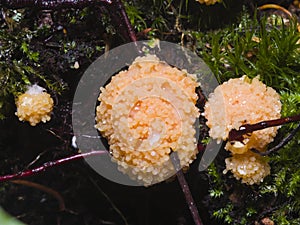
{"points": [[122, 19], [282, 143], [47, 165], [237, 135], [185, 188], [43, 188]]}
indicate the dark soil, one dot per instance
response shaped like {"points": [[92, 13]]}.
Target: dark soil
{"points": [[89, 198]]}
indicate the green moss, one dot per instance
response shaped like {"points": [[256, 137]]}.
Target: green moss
{"points": [[267, 48], [135, 16], [19, 63], [254, 48], [215, 181]]}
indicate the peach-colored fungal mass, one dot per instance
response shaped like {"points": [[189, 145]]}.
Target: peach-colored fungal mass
{"points": [[240, 101], [249, 167], [34, 105], [145, 112], [243, 101]]}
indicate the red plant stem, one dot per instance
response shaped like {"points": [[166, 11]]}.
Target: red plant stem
{"points": [[282, 143], [201, 98], [237, 135], [43, 188], [185, 188], [47, 165], [118, 6], [189, 197]]}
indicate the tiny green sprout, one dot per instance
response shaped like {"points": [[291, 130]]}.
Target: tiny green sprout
{"points": [[250, 212], [216, 193], [206, 140]]}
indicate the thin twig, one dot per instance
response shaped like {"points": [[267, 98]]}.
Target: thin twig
{"points": [[185, 188], [47, 165], [124, 20], [237, 135], [280, 145], [43, 188], [36, 159], [278, 7], [110, 201]]}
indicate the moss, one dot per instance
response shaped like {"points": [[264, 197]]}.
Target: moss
{"points": [[265, 47], [19, 63], [270, 49], [44, 48]]}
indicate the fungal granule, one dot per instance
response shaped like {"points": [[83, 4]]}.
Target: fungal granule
{"points": [[34, 106], [237, 102], [145, 112], [249, 167], [242, 101]]}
